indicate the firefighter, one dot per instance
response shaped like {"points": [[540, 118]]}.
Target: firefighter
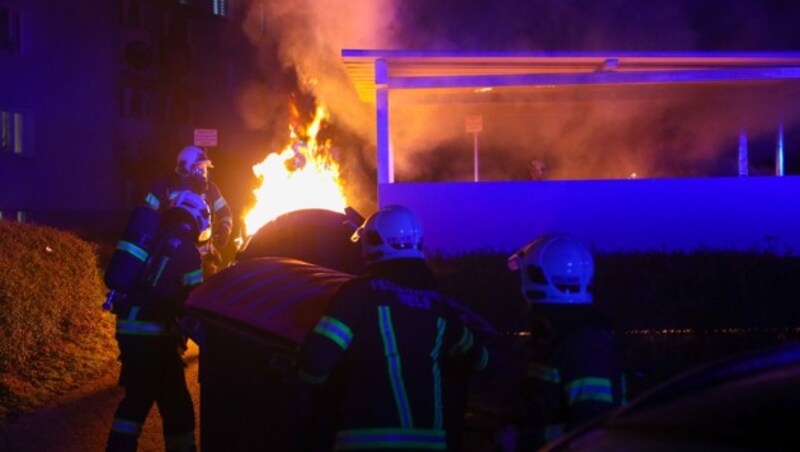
{"points": [[147, 331], [392, 338], [537, 169], [574, 372], [191, 171]]}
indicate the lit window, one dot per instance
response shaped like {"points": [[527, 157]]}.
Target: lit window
{"points": [[11, 128], [220, 7], [21, 217], [10, 33]]}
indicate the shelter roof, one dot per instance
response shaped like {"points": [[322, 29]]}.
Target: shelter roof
{"points": [[457, 72]]}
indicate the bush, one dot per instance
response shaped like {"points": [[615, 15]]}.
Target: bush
{"points": [[53, 334]]}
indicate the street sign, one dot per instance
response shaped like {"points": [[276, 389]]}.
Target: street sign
{"points": [[473, 123], [205, 137]]}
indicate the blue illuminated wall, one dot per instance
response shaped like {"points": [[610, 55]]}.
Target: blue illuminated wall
{"points": [[744, 213]]}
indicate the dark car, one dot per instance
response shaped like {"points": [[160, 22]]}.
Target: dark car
{"points": [[748, 402]]}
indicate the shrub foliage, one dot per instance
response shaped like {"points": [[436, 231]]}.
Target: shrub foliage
{"points": [[53, 334]]}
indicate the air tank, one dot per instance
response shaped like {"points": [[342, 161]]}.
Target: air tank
{"points": [[133, 250]]}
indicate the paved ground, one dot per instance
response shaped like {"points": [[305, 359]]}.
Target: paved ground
{"points": [[79, 421]]}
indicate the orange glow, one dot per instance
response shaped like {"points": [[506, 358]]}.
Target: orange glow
{"points": [[304, 175]]}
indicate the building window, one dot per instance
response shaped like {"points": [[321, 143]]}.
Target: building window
{"points": [[136, 102], [220, 8], [10, 30], [11, 132], [21, 216]]}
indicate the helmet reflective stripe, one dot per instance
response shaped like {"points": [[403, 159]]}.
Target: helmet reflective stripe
{"points": [[589, 388], [126, 427], [132, 249], [152, 201], [394, 366], [334, 330], [554, 268], [193, 278], [390, 439]]}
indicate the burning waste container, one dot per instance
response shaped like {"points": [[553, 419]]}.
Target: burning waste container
{"points": [[250, 319]]}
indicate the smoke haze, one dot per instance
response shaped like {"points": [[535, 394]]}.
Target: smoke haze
{"points": [[584, 134]]}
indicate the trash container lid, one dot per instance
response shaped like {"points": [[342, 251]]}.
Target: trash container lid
{"points": [[280, 296]]}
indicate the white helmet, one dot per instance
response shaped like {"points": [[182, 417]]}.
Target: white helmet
{"points": [[555, 268], [192, 158], [194, 204], [393, 232]]}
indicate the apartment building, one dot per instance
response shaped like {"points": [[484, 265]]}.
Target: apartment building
{"points": [[97, 97]]}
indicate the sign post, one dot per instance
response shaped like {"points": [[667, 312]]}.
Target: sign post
{"points": [[474, 124]]}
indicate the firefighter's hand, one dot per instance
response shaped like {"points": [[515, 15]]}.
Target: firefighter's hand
{"points": [[221, 238]]}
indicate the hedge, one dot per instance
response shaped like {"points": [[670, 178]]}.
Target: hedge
{"points": [[53, 333]]}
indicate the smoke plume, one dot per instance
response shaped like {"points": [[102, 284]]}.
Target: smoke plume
{"points": [[581, 133]]}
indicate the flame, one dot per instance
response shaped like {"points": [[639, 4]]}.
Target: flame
{"points": [[304, 175]]}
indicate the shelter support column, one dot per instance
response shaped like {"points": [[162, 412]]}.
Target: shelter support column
{"points": [[743, 159], [385, 157], [779, 151]]}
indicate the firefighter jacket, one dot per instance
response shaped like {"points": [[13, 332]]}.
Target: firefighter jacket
{"points": [[153, 308], [393, 344], [167, 189], [574, 372]]}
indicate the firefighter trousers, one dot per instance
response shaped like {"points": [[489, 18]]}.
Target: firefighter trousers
{"points": [[152, 373]]}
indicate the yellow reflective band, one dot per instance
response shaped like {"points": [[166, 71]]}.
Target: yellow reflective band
{"points": [[152, 201], [391, 439], [589, 388], [193, 278], [311, 379], [126, 427], [219, 204], [334, 330], [132, 249], [140, 328], [544, 373]]}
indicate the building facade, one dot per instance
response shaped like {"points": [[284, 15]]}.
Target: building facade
{"points": [[98, 96]]}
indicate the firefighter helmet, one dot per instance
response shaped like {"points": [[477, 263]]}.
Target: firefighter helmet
{"points": [[393, 232], [195, 206], [554, 268], [192, 158]]}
